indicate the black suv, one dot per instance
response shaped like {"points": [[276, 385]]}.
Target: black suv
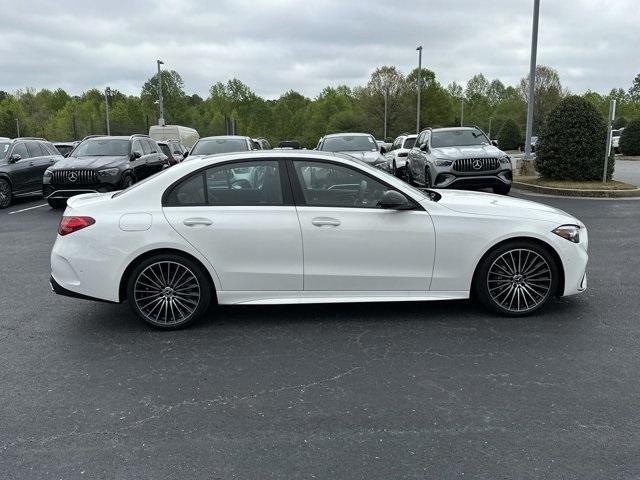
{"points": [[102, 164], [22, 163]]}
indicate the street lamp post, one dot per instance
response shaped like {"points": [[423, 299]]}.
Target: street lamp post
{"points": [[419, 49], [532, 79], [107, 92], [161, 119], [386, 100], [462, 111], [18, 127]]}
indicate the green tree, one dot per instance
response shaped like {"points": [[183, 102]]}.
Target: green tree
{"points": [[509, 135], [630, 138], [547, 94]]}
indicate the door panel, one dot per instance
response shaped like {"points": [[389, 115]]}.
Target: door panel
{"points": [[21, 171], [365, 249]]}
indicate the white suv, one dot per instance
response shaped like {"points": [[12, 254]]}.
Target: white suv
{"points": [[397, 154]]}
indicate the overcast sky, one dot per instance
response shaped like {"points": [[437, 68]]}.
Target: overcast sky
{"points": [[276, 45]]}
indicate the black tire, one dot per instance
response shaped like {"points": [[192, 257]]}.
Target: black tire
{"points": [[183, 291], [6, 194], [394, 169], [407, 174], [57, 203], [502, 189], [427, 178], [529, 289], [127, 181]]}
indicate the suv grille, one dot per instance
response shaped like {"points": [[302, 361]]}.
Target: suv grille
{"points": [[74, 177], [476, 164]]}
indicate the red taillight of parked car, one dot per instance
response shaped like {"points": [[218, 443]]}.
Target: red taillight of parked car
{"points": [[73, 224], [403, 154]]}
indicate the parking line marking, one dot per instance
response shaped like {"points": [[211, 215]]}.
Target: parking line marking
{"points": [[30, 208]]}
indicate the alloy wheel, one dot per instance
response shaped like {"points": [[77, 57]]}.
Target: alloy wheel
{"points": [[167, 293], [5, 194], [519, 280]]}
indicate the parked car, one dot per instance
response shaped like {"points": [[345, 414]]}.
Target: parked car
{"points": [[187, 136], [22, 164], [358, 145], [264, 143], [102, 164], [173, 149], [396, 156], [458, 157], [220, 144], [615, 139], [289, 145], [511, 254], [534, 141], [65, 148]]}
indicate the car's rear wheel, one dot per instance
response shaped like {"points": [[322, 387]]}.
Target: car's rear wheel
{"points": [[517, 278], [427, 178], [502, 189], [57, 203], [169, 291], [6, 195]]}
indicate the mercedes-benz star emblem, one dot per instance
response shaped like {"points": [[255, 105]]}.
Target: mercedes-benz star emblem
{"points": [[477, 164], [72, 176]]}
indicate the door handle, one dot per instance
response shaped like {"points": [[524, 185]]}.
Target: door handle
{"points": [[325, 222], [198, 221]]}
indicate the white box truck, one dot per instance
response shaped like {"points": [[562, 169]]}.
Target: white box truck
{"points": [[188, 136]]}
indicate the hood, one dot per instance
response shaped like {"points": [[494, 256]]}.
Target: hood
{"points": [[479, 203], [367, 157], [474, 151], [89, 162]]}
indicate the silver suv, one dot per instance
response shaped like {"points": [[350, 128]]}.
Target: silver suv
{"points": [[458, 157]]}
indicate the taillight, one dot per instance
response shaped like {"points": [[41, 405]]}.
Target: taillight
{"points": [[73, 224], [403, 154]]}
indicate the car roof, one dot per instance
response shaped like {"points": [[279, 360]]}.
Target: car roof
{"points": [[225, 137], [348, 134], [440, 129]]}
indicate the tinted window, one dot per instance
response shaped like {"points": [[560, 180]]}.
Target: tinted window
{"points": [[103, 147], [146, 146], [165, 150], [137, 147], [21, 149], [349, 143], [51, 149], [219, 145], [35, 150], [409, 142], [458, 138], [155, 148], [245, 183], [330, 185], [189, 192]]}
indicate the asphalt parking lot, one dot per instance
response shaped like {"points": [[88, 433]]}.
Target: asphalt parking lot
{"points": [[375, 391]]}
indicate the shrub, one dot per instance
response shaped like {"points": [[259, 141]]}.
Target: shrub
{"points": [[630, 138], [572, 142], [620, 122], [509, 135]]}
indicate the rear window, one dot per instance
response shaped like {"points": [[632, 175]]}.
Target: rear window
{"points": [[409, 143]]}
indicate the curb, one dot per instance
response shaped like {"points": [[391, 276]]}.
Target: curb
{"points": [[571, 192]]}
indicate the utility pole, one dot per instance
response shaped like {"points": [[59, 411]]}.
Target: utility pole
{"points": [[161, 119], [419, 49], [18, 127], [607, 153], [532, 79], [107, 92], [386, 99], [462, 111]]}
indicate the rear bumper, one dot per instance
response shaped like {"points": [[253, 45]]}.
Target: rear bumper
{"points": [[60, 290]]}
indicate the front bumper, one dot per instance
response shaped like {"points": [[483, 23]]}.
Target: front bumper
{"points": [[63, 192], [453, 179]]}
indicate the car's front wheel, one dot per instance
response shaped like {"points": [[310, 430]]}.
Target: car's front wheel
{"points": [[502, 189], [6, 195], [169, 291], [517, 278], [57, 203]]}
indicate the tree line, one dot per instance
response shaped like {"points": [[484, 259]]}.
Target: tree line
{"points": [[489, 104]]}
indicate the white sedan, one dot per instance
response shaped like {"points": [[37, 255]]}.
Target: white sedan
{"points": [[273, 227]]}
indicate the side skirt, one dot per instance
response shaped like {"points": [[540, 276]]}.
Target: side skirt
{"points": [[302, 297]]}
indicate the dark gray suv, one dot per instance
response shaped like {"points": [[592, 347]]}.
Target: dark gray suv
{"points": [[458, 157], [102, 164]]}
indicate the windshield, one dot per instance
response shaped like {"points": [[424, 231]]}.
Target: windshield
{"points": [[103, 147], [165, 149], [409, 142], [458, 138], [4, 148], [349, 143], [219, 145]]}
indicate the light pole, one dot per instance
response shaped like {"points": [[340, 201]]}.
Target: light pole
{"points": [[419, 49], [161, 119], [532, 79], [107, 92], [386, 99], [18, 127], [462, 111]]}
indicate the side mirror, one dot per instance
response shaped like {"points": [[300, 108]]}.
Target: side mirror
{"points": [[185, 154], [15, 157], [394, 200], [494, 143], [383, 150], [135, 155]]}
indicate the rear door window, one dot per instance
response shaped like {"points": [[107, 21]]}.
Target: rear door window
{"points": [[20, 149], [35, 150]]}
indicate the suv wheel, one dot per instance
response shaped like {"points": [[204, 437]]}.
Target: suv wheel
{"points": [[502, 189], [6, 195], [57, 203], [169, 291], [127, 181], [517, 279]]}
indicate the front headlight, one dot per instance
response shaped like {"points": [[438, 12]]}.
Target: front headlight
{"points": [[108, 172], [444, 163], [48, 173], [505, 159], [568, 232]]}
